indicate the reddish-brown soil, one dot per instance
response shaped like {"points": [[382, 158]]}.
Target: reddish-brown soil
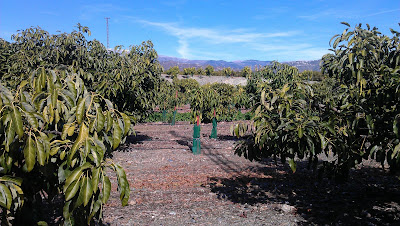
{"points": [[171, 186]]}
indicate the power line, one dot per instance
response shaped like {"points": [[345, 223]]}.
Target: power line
{"points": [[108, 34]]}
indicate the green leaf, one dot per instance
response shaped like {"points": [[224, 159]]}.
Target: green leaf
{"points": [[396, 151], [82, 136], [65, 131], [10, 135], [5, 196], [95, 209], [345, 23], [95, 179], [72, 189], [75, 175], [30, 153], [263, 97], [109, 121], [32, 120], [106, 189], [71, 130], [123, 185], [87, 190], [80, 110], [54, 151], [292, 165], [117, 134], [7, 93], [109, 104], [14, 180], [324, 143], [127, 123], [100, 119], [41, 154], [67, 213], [300, 131], [17, 121]]}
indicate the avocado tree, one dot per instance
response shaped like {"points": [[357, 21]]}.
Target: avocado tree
{"points": [[174, 71], [189, 71], [200, 71], [227, 71], [246, 72], [209, 70], [352, 115], [56, 136], [129, 78]]}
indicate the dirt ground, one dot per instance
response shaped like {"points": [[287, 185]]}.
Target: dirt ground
{"points": [[171, 186], [204, 79]]}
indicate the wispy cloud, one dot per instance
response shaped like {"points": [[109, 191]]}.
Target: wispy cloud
{"points": [[271, 12], [296, 51], [215, 36], [329, 13], [383, 12], [88, 11], [212, 36], [193, 42], [343, 14]]}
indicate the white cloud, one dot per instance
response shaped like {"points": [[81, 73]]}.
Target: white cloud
{"points": [[88, 11], [330, 13], [215, 36], [289, 52], [183, 48], [188, 35], [344, 14], [383, 12]]}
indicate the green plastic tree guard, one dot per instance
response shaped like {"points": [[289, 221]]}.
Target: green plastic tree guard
{"points": [[196, 149], [173, 118], [214, 129], [164, 115]]}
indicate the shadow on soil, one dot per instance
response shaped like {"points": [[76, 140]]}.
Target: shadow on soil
{"points": [[137, 139], [209, 151], [227, 137], [370, 197]]}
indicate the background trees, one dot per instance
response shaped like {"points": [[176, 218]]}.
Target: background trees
{"points": [[246, 72], [209, 70], [174, 71], [189, 71]]}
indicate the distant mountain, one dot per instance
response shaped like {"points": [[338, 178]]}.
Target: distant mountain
{"points": [[168, 62]]}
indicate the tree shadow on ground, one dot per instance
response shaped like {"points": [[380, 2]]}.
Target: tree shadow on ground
{"points": [[137, 139], [370, 197], [209, 151], [227, 137]]}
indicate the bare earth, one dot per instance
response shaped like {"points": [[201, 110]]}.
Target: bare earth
{"points": [[204, 79], [171, 186]]}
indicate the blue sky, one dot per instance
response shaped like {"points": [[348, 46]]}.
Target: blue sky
{"points": [[204, 29]]}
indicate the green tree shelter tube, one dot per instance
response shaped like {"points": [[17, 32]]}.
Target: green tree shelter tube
{"points": [[214, 129], [196, 149], [164, 115], [176, 103], [173, 118]]}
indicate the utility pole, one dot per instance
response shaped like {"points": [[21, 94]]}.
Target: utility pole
{"points": [[108, 38]]}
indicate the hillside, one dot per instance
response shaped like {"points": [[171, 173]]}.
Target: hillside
{"points": [[168, 62]]}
